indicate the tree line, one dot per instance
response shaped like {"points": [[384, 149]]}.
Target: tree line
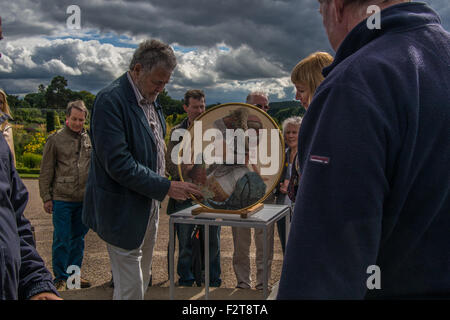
{"points": [[57, 95]]}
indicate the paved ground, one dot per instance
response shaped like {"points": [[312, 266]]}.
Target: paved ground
{"points": [[96, 262]]}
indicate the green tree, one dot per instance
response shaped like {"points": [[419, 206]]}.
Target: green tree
{"points": [[41, 89], [13, 101], [88, 99], [52, 121], [56, 95], [169, 105], [35, 100]]}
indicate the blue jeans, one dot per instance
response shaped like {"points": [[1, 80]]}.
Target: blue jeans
{"points": [[184, 266], [68, 237]]}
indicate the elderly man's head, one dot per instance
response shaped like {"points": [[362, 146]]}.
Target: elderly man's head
{"points": [[341, 16], [259, 99], [151, 67]]}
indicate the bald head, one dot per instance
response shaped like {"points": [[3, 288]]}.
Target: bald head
{"points": [[341, 16], [259, 99]]}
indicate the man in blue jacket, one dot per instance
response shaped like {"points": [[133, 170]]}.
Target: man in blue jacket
{"points": [[126, 177], [372, 216], [22, 270]]}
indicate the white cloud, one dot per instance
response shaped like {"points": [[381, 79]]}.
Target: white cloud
{"points": [[57, 67], [86, 64]]}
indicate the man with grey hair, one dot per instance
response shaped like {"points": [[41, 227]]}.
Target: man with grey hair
{"points": [[242, 237], [372, 211], [127, 175]]}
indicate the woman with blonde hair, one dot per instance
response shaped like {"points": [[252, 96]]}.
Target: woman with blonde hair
{"points": [[307, 76], [6, 127]]}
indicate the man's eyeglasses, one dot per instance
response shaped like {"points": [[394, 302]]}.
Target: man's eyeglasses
{"points": [[266, 107]]}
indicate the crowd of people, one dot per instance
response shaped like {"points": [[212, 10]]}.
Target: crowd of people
{"points": [[366, 171]]}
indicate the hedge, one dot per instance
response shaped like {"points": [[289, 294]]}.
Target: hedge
{"points": [[28, 170]]}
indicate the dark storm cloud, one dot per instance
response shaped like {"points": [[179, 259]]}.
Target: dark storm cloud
{"points": [[280, 31], [244, 63], [266, 39]]}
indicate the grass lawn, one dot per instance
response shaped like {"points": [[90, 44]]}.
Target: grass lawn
{"points": [[29, 175]]}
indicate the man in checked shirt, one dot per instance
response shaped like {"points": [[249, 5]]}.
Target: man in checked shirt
{"points": [[126, 179]]}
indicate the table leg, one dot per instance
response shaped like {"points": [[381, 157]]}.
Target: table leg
{"points": [[171, 258], [206, 261], [265, 258], [287, 225]]}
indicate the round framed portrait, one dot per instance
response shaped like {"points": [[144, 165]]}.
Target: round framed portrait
{"points": [[234, 153]]}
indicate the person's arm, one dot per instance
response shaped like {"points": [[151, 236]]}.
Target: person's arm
{"points": [[336, 227], [47, 173], [48, 165], [8, 134], [34, 278], [111, 150]]}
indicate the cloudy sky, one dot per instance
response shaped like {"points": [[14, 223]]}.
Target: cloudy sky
{"points": [[226, 47]]}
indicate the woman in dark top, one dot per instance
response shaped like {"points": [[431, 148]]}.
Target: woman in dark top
{"points": [[290, 132]]}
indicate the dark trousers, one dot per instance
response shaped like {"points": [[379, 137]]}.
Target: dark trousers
{"points": [[185, 263], [186, 254]]}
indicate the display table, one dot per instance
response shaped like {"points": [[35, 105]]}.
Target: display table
{"points": [[264, 219]]}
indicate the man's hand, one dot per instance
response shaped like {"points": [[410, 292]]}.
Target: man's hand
{"points": [[180, 190], [45, 296], [284, 186], [48, 206]]}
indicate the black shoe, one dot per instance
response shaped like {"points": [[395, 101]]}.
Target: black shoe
{"points": [[84, 283], [111, 283]]}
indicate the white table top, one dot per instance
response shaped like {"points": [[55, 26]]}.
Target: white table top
{"points": [[264, 215]]}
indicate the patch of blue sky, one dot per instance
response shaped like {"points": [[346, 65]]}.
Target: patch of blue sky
{"points": [[184, 49], [112, 38]]}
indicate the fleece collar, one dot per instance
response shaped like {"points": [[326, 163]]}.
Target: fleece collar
{"points": [[395, 18]]}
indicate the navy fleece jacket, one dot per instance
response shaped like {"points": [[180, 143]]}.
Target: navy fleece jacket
{"points": [[374, 150], [22, 271]]}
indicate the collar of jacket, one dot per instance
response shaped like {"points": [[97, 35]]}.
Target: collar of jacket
{"points": [[72, 133], [185, 123], [395, 18], [131, 97]]}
